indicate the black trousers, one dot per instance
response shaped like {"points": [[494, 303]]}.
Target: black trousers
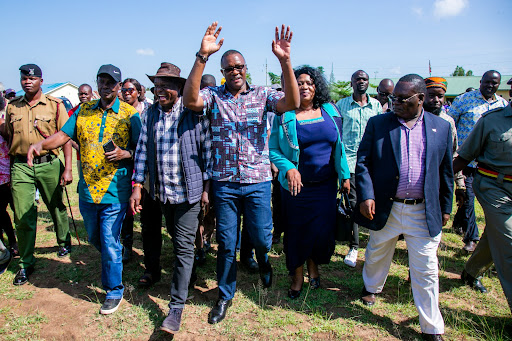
{"points": [[352, 197], [5, 219]]}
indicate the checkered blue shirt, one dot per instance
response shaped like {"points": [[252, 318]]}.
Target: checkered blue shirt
{"points": [[467, 109], [171, 179]]}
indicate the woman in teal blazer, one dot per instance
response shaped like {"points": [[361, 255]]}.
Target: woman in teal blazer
{"points": [[306, 146]]}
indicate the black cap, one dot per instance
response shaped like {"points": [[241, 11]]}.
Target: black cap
{"points": [[509, 81], [31, 70], [111, 70]]}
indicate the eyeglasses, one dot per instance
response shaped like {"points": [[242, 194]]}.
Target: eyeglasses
{"points": [[383, 94], [125, 90], [401, 100], [233, 68]]}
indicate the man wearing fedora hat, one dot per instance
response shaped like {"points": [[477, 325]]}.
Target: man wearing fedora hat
{"points": [[241, 167], [106, 131], [173, 154]]}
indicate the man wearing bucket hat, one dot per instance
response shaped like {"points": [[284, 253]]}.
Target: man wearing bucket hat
{"points": [[106, 131], [173, 154]]}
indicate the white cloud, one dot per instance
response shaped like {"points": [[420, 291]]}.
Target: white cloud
{"points": [[395, 70], [145, 52], [418, 11], [449, 8]]}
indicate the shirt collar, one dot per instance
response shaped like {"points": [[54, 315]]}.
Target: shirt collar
{"points": [[177, 107], [42, 99], [368, 103], [418, 122], [114, 108], [491, 100], [225, 90]]}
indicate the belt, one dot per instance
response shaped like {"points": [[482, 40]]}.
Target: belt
{"points": [[492, 174], [410, 201], [37, 159]]}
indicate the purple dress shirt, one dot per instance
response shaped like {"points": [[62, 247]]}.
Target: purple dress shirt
{"points": [[412, 165]]}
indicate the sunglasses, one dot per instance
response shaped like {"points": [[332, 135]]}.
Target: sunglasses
{"points": [[233, 68], [400, 100], [125, 90], [383, 94]]}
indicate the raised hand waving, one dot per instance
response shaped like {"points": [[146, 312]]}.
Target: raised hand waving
{"points": [[209, 44], [281, 46]]}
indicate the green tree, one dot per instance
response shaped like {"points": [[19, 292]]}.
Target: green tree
{"points": [[321, 69], [248, 78], [469, 73], [339, 90], [458, 72], [274, 79]]}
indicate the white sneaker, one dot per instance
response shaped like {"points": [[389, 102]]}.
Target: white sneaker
{"points": [[351, 258]]}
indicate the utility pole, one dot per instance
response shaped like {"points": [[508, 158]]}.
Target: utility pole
{"points": [[266, 72]]}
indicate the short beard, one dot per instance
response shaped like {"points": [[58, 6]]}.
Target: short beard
{"points": [[436, 112]]}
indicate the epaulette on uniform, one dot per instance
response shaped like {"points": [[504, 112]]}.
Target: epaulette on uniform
{"points": [[17, 98], [54, 99], [492, 110]]}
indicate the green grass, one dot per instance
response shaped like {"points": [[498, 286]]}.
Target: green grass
{"points": [[332, 312]]}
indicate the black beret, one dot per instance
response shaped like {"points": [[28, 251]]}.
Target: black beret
{"points": [[31, 70]]}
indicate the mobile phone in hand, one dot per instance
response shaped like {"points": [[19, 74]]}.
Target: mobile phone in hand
{"points": [[109, 146]]}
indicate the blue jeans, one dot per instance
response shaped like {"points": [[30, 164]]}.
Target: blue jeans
{"points": [[465, 216], [103, 223], [231, 199]]}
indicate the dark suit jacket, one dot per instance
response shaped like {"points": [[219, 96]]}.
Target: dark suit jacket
{"points": [[378, 169]]}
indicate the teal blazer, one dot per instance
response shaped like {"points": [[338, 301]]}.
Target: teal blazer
{"points": [[284, 149]]}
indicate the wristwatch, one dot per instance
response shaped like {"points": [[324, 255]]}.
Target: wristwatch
{"points": [[203, 58]]}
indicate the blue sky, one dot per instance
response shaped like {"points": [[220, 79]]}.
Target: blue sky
{"points": [[69, 40]]}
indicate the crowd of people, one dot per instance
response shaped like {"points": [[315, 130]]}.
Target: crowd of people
{"points": [[205, 156]]}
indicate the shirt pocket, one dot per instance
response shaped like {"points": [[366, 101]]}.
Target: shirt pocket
{"points": [[501, 142], [17, 123], [44, 124]]}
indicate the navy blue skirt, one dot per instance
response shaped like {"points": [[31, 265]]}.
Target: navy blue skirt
{"points": [[309, 220]]}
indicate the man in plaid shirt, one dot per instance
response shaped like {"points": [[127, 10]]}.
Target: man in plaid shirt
{"points": [[174, 151]]}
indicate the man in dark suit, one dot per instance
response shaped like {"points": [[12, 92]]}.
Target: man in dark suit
{"points": [[398, 151]]}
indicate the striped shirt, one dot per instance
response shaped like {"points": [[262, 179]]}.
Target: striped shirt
{"points": [[355, 118], [413, 155], [467, 109], [172, 187]]}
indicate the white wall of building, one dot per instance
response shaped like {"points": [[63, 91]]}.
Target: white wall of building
{"points": [[69, 91]]}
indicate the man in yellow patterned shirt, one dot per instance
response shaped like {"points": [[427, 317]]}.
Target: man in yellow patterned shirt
{"points": [[107, 131]]}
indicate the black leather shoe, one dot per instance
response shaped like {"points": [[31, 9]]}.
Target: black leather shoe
{"points": [[293, 294], [431, 337], [470, 246], [250, 264], [64, 251], [218, 312], [367, 297], [473, 282], [266, 275], [314, 283], [22, 276]]}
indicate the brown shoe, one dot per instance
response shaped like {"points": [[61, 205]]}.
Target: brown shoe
{"points": [[367, 297], [469, 247], [431, 337]]}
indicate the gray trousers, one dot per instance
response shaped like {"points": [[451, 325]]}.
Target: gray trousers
{"points": [[495, 196], [182, 219]]}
